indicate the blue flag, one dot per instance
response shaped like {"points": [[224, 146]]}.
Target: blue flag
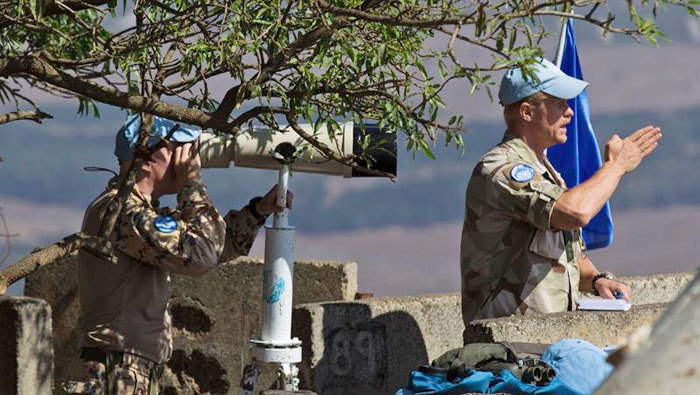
{"points": [[579, 158]]}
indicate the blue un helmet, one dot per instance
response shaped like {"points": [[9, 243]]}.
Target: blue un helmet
{"points": [[550, 79], [128, 135]]}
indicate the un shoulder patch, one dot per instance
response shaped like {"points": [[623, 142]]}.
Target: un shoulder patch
{"points": [[522, 173], [165, 224]]}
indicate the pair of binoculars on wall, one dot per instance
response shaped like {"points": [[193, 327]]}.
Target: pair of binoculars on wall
{"points": [[264, 148]]}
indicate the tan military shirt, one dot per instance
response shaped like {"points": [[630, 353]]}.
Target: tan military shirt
{"points": [[512, 260], [124, 307]]}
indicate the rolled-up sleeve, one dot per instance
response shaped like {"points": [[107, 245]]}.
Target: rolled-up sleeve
{"points": [[190, 241], [241, 229]]}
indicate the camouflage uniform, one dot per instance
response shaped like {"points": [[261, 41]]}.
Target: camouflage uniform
{"points": [[129, 375], [124, 307], [512, 260]]}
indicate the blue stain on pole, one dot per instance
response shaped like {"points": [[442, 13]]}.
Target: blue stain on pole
{"points": [[274, 287], [579, 158]]}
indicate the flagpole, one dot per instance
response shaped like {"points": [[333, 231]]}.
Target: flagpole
{"points": [[562, 39]]}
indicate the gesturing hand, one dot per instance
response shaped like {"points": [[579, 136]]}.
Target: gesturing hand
{"points": [[187, 164], [628, 153]]}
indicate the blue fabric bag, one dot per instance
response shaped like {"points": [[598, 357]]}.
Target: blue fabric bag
{"points": [[580, 367], [578, 363]]}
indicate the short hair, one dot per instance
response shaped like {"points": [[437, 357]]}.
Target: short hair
{"points": [[511, 112]]}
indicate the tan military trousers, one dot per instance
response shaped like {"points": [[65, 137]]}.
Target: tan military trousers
{"points": [[121, 373]]}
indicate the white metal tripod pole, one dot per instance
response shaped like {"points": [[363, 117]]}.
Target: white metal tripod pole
{"points": [[276, 344]]}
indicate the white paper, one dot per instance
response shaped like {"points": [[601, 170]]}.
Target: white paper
{"points": [[603, 304]]}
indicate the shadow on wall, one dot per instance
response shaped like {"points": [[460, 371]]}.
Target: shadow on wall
{"points": [[361, 354]]}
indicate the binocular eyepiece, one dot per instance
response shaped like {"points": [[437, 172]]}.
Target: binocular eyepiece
{"points": [[265, 148], [538, 374]]}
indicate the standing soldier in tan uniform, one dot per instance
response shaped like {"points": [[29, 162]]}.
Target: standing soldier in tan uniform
{"points": [[125, 326], [522, 250]]}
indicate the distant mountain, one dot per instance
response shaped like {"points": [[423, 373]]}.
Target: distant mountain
{"points": [[47, 168]]}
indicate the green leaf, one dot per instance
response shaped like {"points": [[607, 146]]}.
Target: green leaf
{"points": [[426, 149], [37, 7]]}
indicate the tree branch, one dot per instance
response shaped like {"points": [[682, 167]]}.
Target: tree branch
{"points": [[241, 92], [390, 19], [48, 74], [49, 254], [53, 9], [36, 116]]}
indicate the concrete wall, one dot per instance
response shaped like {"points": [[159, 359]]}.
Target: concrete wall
{"points": [[26, 352], [602, 328], [213, 317], [370, 346], [659, 288], [349, 347]]}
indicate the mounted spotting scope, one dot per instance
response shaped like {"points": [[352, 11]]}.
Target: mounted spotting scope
{"points": [[265, 148]]}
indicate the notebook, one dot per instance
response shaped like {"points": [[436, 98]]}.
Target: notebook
{"points": [[603, 304]]}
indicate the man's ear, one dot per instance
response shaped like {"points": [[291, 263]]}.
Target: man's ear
{"points": [[147, 166], [525, 111]]}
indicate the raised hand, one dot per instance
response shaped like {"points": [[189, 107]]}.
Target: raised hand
{"points": [[268, 204], [628, 153], [187, 164]]}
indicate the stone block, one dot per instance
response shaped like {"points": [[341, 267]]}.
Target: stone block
{"points": [[602, 328], [213, 317], [26, 352], [370, 346], [57, 284]]}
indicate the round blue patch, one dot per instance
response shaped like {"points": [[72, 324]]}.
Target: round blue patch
{"points": [[522, 173], [165, 224]]}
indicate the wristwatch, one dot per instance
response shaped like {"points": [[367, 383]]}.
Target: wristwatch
{"points": [[598, 277]]}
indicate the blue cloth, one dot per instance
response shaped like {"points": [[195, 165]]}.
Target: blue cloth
{"points": [[581, 367], [128, 134], [579, 158], [515, 86], [579, 364], [481, 382]]}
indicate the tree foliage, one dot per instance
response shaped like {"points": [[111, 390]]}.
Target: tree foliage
{"points": [[223, 64]]}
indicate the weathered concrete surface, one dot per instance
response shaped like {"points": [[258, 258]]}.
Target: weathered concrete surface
{"points": [[668, 361], [57, 285], [370, 346], [659, 288], [602, 328], [213, 317], [26, 352]]}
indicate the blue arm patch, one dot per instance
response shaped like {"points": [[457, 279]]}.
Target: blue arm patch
{"points": [[165, 224], [522, 173]]}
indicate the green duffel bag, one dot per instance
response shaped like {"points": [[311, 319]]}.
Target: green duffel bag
{"points": [[495, 357]]}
